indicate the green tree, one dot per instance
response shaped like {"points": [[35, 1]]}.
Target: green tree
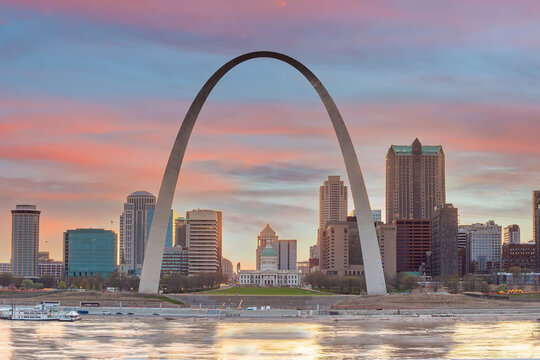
{"points": [[5, 279], [451, 283], [408, 282], [37, 286], [62, 285], [27, 284], [48, 281]]}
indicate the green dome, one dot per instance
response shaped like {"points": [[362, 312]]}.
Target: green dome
{"points": [[269, 251]]}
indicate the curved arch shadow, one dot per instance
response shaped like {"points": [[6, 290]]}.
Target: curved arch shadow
{"points": [[368, 238]]}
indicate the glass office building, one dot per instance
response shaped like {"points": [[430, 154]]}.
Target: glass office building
{"points": [[89, 252]]}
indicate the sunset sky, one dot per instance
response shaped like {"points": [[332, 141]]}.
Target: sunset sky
{"points": [[92, 94]]}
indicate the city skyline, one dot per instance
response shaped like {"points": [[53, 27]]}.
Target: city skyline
{"points": [[82, 133]]}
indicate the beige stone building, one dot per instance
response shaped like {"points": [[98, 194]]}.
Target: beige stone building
{"points": [[386, 234], [332, 201]]}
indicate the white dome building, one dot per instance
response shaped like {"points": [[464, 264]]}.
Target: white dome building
{"points": [[268, 274]]}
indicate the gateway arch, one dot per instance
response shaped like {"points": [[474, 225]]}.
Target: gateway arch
{"points": [[368, 239]]}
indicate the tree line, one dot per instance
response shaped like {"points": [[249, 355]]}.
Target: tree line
{"points": [[174, 282], [357, 284]]}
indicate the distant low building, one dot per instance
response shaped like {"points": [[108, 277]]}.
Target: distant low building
{"points": [[303, 267], [5, 267], [227, 268], [48, 266]]}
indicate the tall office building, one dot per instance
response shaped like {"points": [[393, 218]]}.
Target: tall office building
{"points": [[332, 201], [170, 237], [133, 229], [204, 240], [89, 252], [464, 252], [25, 241], [486, 245], [511, 234], [444, 241], [413, 243], [182, 232], [415, 181], [287, 255], [339, 248], [536, 225]]}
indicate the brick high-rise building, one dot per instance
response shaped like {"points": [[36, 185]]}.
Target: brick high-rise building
{"points": [[536, 225], [444, 241], [415, 181], [413, 242], [522, 255], [25, 241]]}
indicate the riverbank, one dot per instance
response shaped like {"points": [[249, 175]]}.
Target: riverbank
{"points": [[168, 313]]}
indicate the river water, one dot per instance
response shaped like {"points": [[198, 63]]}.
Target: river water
{"points": [[117, 337]]}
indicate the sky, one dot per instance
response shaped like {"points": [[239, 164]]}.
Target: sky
{"points": [[92, 94]]}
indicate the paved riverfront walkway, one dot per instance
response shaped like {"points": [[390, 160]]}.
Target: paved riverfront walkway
{"points": [[308, 302]]}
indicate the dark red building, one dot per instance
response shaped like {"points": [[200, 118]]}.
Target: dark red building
{"points": [[522, 255], [413, 243]]}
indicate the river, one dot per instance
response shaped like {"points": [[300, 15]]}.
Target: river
{"points": [[117, 337]]}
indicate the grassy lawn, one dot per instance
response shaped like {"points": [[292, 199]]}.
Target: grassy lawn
{"points": [[265, 291]]}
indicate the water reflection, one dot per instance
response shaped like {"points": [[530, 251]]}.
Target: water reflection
{"points": [[260, 340], [157, 338]]}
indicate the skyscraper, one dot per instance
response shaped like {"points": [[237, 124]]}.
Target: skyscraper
{"points": [[133, 229], [486, 245], [444, 241], [204, 240], [415, 181], [25, 240], [536, 225], [287, 255], [511, 234], [89, 252], [332, 201], [464, 252]]}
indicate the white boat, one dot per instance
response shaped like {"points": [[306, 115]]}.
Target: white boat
{"points": [[36, 313], [70, 316]]}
